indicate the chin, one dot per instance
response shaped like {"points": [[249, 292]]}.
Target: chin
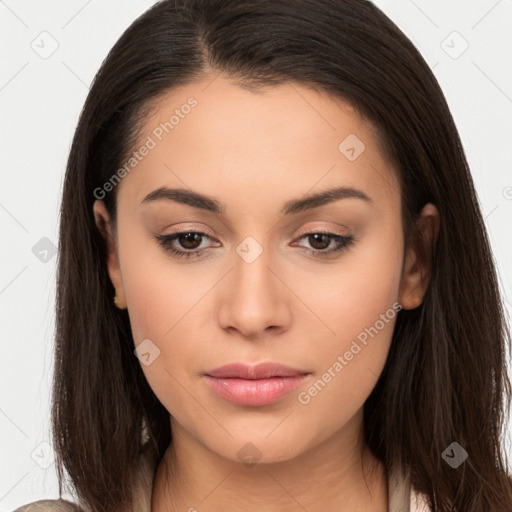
{"points": [[260, 449]]}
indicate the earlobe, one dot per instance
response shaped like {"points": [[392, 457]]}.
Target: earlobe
{"points": [[418, 265], [103, 224]]}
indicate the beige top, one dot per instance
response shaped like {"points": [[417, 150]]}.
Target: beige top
{"points": [[402, 498]]}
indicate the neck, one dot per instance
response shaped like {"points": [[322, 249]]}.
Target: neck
{"points": [[339, 474]]}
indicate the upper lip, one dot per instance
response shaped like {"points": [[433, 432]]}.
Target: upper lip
{"points": [[259, 371]]}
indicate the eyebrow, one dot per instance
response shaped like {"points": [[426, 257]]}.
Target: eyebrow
{"points": [[210, 204]]}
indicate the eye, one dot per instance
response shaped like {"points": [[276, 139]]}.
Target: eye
{"points": [[190, 241], [325, 244]]}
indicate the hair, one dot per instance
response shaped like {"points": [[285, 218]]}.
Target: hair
{"points": [[445, 378]]}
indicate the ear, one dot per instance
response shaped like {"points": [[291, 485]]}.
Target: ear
{"points": [[417, 264], [103, 224]]}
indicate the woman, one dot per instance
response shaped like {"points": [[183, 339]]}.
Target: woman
{"points": [[306, 315]]}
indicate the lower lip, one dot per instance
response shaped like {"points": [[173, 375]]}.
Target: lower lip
{"points": [[254, 392]]}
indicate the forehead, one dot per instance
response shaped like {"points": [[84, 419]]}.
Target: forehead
{"points": [[221, 139]]}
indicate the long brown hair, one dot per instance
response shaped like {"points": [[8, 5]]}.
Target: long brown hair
{"points": [[445, 379]]}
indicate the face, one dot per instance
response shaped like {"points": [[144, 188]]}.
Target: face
{"points": [[253, 269]]}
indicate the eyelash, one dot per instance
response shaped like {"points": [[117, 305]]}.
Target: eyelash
{"points": [[343, 242]]}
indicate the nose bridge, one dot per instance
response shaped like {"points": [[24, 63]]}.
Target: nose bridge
{"points": [[252, 266], [254, 299]]}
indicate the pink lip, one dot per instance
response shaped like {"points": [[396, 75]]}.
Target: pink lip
{"points": [[257, 385]]}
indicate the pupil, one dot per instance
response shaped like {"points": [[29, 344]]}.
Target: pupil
{"points": [[190, 240], [315, 238]]}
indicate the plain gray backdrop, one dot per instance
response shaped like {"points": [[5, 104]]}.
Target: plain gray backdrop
{"points": [[50, 52]]}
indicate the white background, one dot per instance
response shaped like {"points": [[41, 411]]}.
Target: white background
{"points": [[40, 100]]}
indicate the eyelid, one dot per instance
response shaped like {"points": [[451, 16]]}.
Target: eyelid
{"points": [[326, 231], [202, 232], [191, 229], [338, 231]]}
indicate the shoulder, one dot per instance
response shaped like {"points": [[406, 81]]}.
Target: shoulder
{"points": [[49, 506], [142, 489]]}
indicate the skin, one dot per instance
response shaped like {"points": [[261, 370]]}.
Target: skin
{"points": [[252, 153]]}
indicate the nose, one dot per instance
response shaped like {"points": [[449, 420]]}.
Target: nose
{"points": [[254, 298]]}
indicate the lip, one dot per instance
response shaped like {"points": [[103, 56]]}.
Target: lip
{"points": [[258, 371], [257, 385]]}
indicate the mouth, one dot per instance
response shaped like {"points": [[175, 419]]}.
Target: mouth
{"points": [[257, 385]]}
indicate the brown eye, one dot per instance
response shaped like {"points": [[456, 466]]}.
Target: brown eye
{"points": [[185, 244], [190, 240], [319, 241]]}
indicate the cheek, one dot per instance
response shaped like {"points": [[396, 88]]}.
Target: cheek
{"points": [[169, 305], [359, 303], [162, 304], [353, 294], [159, 293]]}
